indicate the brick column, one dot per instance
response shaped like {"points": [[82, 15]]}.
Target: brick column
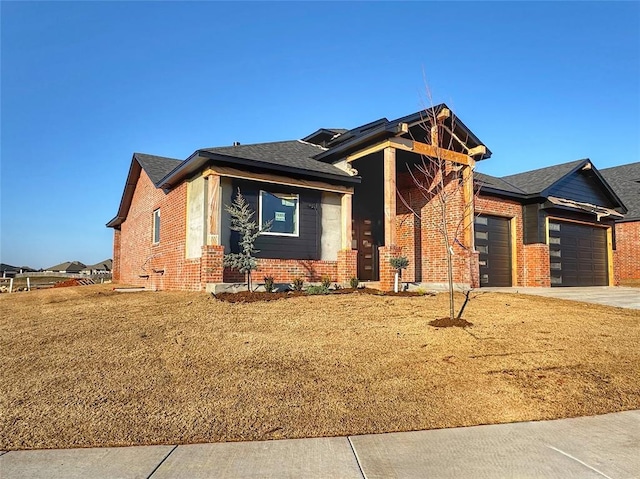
{"points": [[115, 268], [211, 268], [387, 272], [347, 265]]}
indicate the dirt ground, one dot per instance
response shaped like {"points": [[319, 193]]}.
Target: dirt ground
{"points": [[86, 366]]}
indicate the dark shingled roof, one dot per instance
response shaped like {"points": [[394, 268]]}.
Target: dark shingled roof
{"points": [[536, 181], [156, 167], [293, 154], [68, 266], [625, 181], [487, 181]]}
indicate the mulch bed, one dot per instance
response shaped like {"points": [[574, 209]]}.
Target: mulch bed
{"points": [[254, 296], [450, 323]]}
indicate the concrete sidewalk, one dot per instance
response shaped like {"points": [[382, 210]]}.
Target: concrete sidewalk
{"points": [[605, 446], [622, 297]]}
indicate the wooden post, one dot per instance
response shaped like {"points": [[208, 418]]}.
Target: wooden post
{"points": [[389, 196], [467, 194], [213, 210], [345, 216], [28, 284], [610, 273]]}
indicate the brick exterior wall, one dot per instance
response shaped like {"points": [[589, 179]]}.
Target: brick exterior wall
{"points": [[347, 266], [627, 254], [419, 239], [285, 270], [387, 272], [537, 269], [162, 266]]}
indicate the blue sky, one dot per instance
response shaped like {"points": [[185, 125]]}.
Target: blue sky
{"points": [[85, 84]]}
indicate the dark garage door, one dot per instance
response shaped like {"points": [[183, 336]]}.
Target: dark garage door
{"points": [[578, 254], [493, 243]]}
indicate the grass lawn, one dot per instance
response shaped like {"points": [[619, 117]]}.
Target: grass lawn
{"points": [[86, 366]]}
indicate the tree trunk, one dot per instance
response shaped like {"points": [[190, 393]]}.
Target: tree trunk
{"points": [[450, 277]]}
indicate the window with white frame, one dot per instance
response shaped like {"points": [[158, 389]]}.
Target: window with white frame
{"points": [[283, 210], [156, 226]]}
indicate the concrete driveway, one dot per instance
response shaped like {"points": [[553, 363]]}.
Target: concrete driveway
{"points": [[608, 295], [604, 446]]}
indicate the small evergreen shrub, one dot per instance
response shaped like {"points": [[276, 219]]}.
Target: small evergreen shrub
{"points": [[326, 281], [269, 284], [318, 289], [354, 282], [399, 263], [298, 283]]}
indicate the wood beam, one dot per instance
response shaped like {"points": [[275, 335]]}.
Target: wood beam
{"points": [[478, 150], [415, 147], [435, 152], [277, 179], [368, 151], [444, 113], [389, 196], [346, 234]]}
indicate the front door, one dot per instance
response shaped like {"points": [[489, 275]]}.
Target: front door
{"points": [[367, 249]]}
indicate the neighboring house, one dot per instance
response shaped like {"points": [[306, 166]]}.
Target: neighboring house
{"points": [[625, 180], [102, 267], [8, 271], [342, 204], [547, 227], [66, 267]]}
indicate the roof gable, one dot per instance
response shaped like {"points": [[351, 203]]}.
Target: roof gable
{"points": [[156, 168], [578, 181], [370, 133], [625, 180]]}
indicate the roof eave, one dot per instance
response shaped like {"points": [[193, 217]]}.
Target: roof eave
{"points": [[199, 159]]}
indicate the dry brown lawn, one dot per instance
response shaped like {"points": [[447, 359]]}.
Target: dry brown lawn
{"points": [[87, 366]]}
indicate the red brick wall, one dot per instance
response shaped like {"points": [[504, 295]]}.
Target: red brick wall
{"points": [[537, 270], [161, 266], [347, 266], [627, 254], [285, 270], [418, 236]]}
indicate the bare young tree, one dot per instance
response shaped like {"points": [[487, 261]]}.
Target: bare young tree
{"points": [[445, 184]]}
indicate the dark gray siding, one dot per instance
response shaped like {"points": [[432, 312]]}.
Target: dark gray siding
{"points": [[583, 187], [533, 224], [306, 245]]}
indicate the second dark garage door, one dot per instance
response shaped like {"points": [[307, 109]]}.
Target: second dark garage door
{"points": [[578, 254]]}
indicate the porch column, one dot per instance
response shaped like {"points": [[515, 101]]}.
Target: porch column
{"points": [[468, 203], [347, 257], [211, 262], [213, 210], [345, 217], [390, 249], [389, 196]]}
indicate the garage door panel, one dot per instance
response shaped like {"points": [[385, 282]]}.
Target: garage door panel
{"points": [[493, 243], [578, 254]]}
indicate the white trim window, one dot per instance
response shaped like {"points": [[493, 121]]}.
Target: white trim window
{"points": [[283, 210], [156, 226]]}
